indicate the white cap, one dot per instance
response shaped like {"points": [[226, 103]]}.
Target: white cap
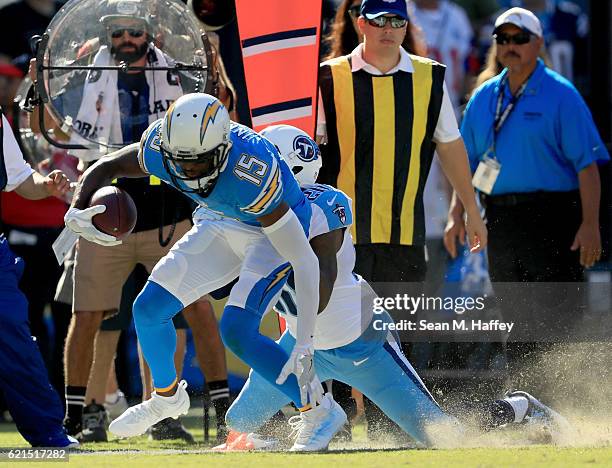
{"points": [[522, 18]]}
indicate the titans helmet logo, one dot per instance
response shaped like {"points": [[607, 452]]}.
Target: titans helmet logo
{"points": [[305, 148]]}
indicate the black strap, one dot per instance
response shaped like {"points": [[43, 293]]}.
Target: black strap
{"points": [[502, 116], [160, 233]]}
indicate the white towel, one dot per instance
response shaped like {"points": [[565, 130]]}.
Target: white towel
{"points": [[99, 116]]}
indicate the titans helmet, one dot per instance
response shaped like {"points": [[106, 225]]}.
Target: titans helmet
{"points": [[299, 151]]}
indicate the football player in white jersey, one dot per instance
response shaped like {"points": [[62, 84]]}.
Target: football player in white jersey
{"points": [[351, 343]]}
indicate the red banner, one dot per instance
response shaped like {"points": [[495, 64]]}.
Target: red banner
{"points": [[280, 48]]}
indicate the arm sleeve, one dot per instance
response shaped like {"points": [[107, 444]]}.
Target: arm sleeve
{"points": [[446, 128], [288, 238], [17, 170]]}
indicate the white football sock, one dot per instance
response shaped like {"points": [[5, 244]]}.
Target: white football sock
{"points": [[519, 405]]}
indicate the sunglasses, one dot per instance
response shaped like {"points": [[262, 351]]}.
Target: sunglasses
{"points": [[133, 32], [354, 11], [518, 39], [381, 21]]}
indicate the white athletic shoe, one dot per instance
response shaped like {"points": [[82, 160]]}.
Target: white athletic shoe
{"points": [[315, 428], [554, 426], [116, 404], [136, 420]]}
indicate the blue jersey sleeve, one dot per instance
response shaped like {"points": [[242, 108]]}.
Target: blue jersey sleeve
{"points": [[334, 204]]}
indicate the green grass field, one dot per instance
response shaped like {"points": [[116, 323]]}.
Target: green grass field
{"points": [[501, 450]]}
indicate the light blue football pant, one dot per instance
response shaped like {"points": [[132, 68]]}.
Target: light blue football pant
{"points": [[208, 257], [153, 311], [376, 367]]}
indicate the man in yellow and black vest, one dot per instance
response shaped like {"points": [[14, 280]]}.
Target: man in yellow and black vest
{"points": [[382, 114]]}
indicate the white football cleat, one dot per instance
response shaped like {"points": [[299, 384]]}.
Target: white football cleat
{"points": [[555, 426], [315, 428], [137, 419]]}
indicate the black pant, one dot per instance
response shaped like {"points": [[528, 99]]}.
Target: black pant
{"points": [[529, 241], [391, 263]]}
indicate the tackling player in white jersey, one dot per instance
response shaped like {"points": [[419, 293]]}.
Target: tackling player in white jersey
{"points": [[348, 347]]}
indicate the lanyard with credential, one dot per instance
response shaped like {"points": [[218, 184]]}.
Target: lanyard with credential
{"points": [[489, 167], [502, 116]]}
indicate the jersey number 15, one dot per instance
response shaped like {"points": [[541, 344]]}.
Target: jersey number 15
{"points": [[250, 168]]}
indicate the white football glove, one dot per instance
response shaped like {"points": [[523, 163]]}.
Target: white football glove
{"points": [[79, 221], [300, 363]]}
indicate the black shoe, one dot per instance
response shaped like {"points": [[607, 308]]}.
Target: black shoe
{"points": [[221, 406], [553, 427], [72, 427], [94, 423], [170, 429], [222, 432]]}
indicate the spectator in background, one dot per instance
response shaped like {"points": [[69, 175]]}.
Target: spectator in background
{"points": [[532, 133], [384, 167], [10, 78], [20, 21], [222, 85], [565, 28], [569, 174], [478, 11], [118, 107], [345, 35], [342, 40], [448, 34]]}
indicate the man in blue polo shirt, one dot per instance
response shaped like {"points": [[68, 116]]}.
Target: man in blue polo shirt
{"points": [[534, 150]]}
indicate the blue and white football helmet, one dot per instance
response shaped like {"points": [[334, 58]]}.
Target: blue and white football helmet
{"points": [[195, 130], [299, 151]]}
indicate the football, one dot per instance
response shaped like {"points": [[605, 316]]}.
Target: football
{"points": [[120, 216]]}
